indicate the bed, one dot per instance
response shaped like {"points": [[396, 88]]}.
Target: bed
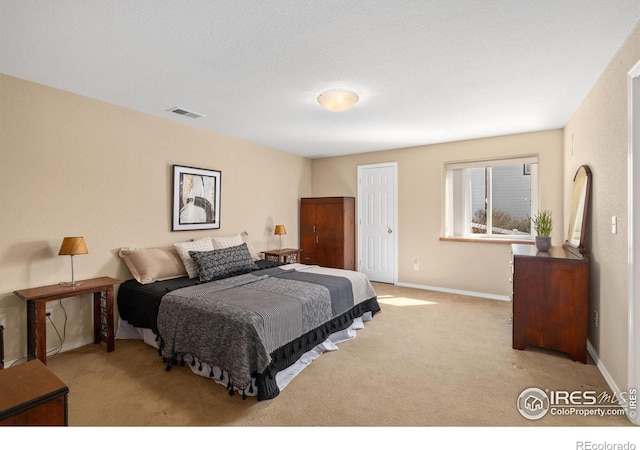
{"points": [[247, 323]]}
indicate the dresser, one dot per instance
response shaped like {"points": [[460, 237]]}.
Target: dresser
{"points": [[327, 231], [550, 300], [31, 395]]}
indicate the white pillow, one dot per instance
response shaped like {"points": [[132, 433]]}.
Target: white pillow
{"points": [[183, 249], [226, 241], [245, 238]]}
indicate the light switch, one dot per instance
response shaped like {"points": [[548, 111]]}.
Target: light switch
{"points": [[614, 224]]}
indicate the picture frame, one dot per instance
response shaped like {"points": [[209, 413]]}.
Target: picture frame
{"points": [[196, 198]]}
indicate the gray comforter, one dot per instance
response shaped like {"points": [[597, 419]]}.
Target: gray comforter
{"points": [[236, 323]]}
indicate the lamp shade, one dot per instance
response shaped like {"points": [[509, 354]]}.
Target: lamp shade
{"points": [[73, 246], [279, 230], [338, 99]]}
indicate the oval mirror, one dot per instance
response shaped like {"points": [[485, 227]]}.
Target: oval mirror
{"points": [[579, 210]]}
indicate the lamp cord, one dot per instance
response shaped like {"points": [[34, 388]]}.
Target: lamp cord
{"points": [[61, 339]]}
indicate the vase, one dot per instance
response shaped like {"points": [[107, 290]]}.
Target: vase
{"points": [[543, 243]]}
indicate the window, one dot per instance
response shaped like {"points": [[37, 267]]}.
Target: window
{"points": [[491, 199]]}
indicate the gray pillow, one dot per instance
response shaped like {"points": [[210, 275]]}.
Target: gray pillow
{"points": [[222, 263]]}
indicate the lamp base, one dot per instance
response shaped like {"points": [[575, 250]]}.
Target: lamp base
{"points": [[70, 283]]}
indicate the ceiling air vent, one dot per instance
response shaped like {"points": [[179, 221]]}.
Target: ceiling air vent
{"points": [[186, 112]]}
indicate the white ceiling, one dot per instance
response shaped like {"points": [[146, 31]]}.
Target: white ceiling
{"points": [[427, 71]]}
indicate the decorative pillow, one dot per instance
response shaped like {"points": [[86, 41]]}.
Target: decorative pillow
{"points": [[245, 238], [226, 241], [153, 264], [183, 249], [216, 264]]}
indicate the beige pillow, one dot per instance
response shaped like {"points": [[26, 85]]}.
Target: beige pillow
{"points": [[199, 245], [245, 237], [153, 264]]}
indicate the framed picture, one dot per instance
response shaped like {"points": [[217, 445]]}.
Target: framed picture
{"points": [[196, 198]]}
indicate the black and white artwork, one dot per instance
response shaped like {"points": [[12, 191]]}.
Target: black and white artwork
{"points": [[196, 198]]}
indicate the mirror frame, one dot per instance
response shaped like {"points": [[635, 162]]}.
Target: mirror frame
{"points": [[571, 244]]}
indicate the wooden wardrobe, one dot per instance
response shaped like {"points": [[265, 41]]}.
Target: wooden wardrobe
{"points": [[327, 231]]}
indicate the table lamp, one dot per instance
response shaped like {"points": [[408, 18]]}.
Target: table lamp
{"points": [[279, 231], [72, 246]]}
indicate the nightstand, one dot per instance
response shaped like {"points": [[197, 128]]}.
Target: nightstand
{"points": [[286, 255], [37, 298]]}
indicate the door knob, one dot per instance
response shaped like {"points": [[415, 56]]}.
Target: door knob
{"points": [[389, 230]]}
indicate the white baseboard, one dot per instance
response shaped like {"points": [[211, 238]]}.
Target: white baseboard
{"points": [[607, 377], [64, 348], [505, 298]]}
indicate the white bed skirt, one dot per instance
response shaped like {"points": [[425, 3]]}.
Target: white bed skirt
{"points": [[283, 378]]}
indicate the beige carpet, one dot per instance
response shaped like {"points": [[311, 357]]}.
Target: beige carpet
{"points": [[427, 359]]}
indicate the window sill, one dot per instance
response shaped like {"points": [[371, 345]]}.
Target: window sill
{"points": [[488, 240]]}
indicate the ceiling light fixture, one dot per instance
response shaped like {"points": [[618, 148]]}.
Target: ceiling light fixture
{"points": [[338, 99]]}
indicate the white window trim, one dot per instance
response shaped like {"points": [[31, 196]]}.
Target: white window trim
{"points": [[455, 230]]}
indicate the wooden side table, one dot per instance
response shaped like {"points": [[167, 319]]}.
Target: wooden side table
{"points": [[37, 298], [286, 255], [31, 395]]}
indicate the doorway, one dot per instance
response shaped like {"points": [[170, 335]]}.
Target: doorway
{"points": [[377, 221]]}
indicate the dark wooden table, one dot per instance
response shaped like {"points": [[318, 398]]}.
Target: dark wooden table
{"points": [[37, 298]]}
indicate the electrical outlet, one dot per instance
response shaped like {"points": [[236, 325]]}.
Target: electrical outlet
{"points": [[50, 312], [416, 267], [596, 318]]}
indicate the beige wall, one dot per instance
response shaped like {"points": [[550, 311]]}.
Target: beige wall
{"points": [[481, 268], [597, 135], [76, 166]]}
